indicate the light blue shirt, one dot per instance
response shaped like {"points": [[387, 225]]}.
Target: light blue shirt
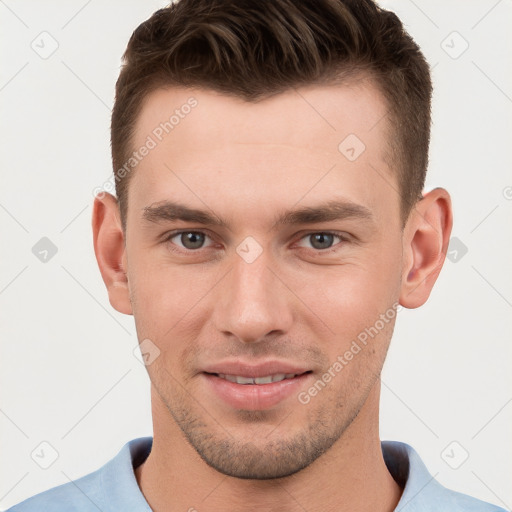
{"points": [[113, 487]]}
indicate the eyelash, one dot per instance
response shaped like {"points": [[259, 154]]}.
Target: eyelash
{"points": [[343, 237]]}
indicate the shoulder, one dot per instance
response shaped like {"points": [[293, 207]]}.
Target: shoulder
{"points": [[81, 495], [421, 492], [111, 487], [458, 502]]}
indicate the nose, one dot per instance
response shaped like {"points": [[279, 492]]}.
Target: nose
{"points": [[253, 302]]}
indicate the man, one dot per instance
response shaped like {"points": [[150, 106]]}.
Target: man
{"points": [[269, 223]]}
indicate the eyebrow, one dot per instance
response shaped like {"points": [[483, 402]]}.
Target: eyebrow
{"points": [[325, 212]]}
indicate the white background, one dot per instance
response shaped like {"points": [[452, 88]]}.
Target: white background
{"points": [[68, 374]]}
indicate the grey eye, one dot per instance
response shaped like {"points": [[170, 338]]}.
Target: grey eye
{"points": [[191, 239], [321, 240]]}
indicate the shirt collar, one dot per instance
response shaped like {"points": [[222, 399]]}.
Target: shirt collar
{"points": [[419, 487]]}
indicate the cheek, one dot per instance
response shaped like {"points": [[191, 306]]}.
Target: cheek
{"points": [[355, 362], [167, 299], [354, 297], [359, 302]]}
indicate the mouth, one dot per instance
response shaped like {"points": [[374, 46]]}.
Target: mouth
{"points": [[255, 393], [267, 379]]}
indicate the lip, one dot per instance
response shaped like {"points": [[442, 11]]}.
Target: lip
{"points": [[243, 369], [254, 397]]}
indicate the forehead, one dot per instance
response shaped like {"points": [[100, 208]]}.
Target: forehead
{"points": [[222, 150], [312, 114]]}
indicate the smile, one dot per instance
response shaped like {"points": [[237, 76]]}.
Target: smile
{"points": [[278, 377]]}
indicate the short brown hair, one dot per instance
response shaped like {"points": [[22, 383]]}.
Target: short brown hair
{"points": [[257, 48]]}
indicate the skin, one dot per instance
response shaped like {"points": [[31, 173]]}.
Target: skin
{"points": [[247, 163]]}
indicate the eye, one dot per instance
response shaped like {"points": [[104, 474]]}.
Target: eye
{"points": [[322, 240], [190, 240], [195, 240]]}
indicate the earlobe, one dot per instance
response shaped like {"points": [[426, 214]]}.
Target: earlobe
{"points": [[109, 247], [426, 238]]}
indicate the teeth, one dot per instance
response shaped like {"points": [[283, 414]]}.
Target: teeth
{"points": [[243, 380], [278, 377], [265, 380]]}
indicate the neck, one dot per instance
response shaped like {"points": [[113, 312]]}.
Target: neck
{"points": [[350, 476]]}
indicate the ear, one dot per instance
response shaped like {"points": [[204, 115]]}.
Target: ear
{"points": [[425, 242], [109, 246]]}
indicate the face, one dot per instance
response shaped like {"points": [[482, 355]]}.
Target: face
{"points": [[257, 246]]}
